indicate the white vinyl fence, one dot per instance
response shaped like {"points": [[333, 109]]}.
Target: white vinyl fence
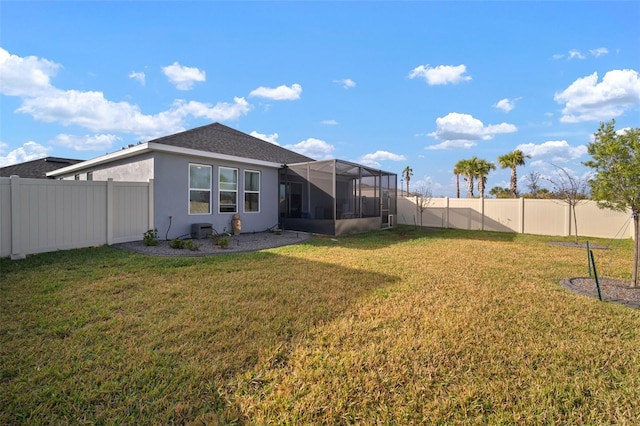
{"points": [[521, 215], [40, 215]]}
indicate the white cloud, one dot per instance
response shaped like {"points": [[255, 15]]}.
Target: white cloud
{"points": [[27, 152], [101, 142], [183, 77], [575, 54], [28, 76], [280, 93], [463, 131], [273, 137], [139, 76], [506, 104], [346, 83], [329, 122], [92, 111], [373, 160], [222, 111], [442, 74], [557, 152], [587, 100], [453, 144], [599, 51], [314, 148]]}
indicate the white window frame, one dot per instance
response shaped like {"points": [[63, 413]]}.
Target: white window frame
{"points": [[248, 191], [199, 189], [221, 190]]}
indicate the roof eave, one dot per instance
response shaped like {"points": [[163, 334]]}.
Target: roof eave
{"points": [[152, 146], [117, 155], [212, 155]]}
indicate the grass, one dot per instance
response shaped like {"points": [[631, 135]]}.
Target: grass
{"points": [[406, 326]]}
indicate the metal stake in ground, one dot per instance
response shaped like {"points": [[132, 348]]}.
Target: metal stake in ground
{"points": [[588, 258], [595, 274]]}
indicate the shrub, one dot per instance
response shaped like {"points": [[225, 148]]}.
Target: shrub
{"points": [[150, 238], [176, 243], [192, 245], [223, 241]]}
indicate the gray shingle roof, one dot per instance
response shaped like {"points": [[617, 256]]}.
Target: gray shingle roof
{"points": [[37, 168], [221, 139]]}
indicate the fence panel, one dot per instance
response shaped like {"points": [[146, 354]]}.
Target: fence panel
{"points": [[130, 211], [546, 217], [5, 217], [604, 223], [465, 213], [503, 215], [40, 215]]}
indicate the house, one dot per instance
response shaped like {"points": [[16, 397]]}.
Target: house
{"points": [[209, 174], [36, 169]]}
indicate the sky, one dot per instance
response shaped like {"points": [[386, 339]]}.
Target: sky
{"points": [[422, 84]]}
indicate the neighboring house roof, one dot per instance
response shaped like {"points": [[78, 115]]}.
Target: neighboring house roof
{"points": [[221, 139], [37, 168], [213, 141]]}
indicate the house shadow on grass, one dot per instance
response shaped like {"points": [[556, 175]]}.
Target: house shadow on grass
{"points": [[181, 331]]}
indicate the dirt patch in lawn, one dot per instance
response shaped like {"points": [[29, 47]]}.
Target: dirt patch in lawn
{"points": [[616, 291]]}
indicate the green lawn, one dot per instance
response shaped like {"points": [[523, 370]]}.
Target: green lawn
{"points": [[395, 327]]}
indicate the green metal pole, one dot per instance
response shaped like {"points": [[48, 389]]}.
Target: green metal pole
{"points": [[595, 274], [588, 258]]}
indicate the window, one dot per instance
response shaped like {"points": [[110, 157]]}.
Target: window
{"points": [[76, 176], [251, 191], [89, 175], [199, 189], [228, 189]]}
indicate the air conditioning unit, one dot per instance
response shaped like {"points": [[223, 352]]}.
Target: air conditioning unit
{"points": [[201, 230]]}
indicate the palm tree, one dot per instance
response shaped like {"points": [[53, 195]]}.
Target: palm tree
{"points": [[482, 169], [457, 171], [513, 160], [466, 169], [407, 173], [500, 192]]}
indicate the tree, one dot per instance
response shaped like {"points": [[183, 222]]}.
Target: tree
{"points": [[616, 182], [423, 199], [533, 185], [407, 173], [466, 169], [462, 168], [513, 160], [571, 190], [500, 192], [481, 169], [457, 172]]}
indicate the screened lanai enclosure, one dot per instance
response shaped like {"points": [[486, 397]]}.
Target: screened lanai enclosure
{"points": [[335, 197]]}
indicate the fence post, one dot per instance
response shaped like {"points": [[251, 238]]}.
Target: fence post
{"points": [[151, 206], [446, 211], [567, 224], [522, 217], [110, 212], [15, 219], [482, 213]]}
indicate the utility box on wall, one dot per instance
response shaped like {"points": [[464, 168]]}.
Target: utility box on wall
{"points": [[201, 230]]}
